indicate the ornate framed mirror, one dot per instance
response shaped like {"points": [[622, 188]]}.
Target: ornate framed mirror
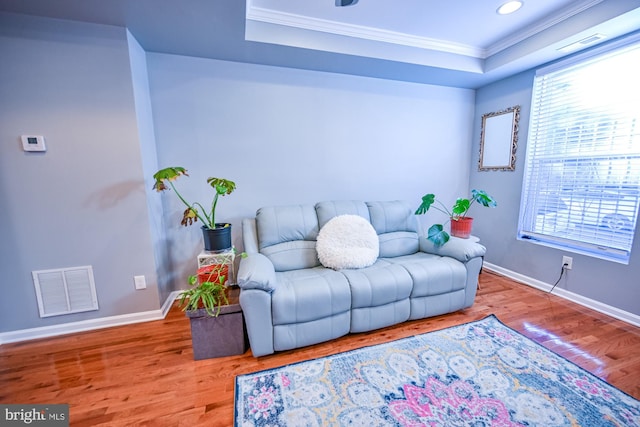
{"points": [[499, 140]]}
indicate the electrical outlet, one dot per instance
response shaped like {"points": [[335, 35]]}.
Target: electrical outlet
{"points": [[140, 282], [567, 262]]}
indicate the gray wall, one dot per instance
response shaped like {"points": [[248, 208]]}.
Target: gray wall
{"points": [[112, 115], [147, 139], [290, 136], [83, 201], [608, 282]]}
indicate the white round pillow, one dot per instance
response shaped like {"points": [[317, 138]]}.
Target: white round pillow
{"points": [[347, 241]]}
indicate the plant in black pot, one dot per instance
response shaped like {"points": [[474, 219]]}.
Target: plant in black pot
{"points": [[460, 222], [217, 236], [217, 324]]}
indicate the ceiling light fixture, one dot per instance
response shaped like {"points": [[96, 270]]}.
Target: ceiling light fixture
{"points": [[509, 7]]}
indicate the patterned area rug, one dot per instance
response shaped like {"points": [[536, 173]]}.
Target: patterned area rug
{"points": [[477, 374]]}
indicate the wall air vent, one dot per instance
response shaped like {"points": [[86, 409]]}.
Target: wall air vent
{"points": [[65, 290], [582, 43]]}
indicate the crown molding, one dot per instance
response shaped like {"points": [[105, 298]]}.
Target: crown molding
{"points": [[574, 9], [358, 31], [403, 39]]}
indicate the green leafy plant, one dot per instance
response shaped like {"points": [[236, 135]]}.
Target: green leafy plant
{"points": [[209, 294], [207, 289], [195, 211], [436, 233]]}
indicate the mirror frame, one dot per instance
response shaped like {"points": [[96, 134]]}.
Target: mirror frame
{"points": [[499, 140]]}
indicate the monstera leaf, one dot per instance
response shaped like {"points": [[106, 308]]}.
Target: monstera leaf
{"points": [[436, 233], [195, 211]]}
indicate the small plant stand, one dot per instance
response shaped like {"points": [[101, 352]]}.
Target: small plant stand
{"points": [[224, 335]]}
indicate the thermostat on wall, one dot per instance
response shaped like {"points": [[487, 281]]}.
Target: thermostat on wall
{"points": [[33, 143]]}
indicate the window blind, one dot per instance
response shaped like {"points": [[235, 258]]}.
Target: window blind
{"points": [[581, 182]]}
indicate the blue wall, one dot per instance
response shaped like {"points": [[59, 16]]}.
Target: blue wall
{"points": [[289, 136], [82, 202], [604, 282], [112, 114]]}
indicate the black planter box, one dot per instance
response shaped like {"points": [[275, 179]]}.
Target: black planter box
{"points": [[224, 335]]}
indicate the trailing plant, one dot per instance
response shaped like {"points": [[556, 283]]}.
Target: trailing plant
{"points": [[436, 233], [209, 294], [195, 211], [207, 288]]}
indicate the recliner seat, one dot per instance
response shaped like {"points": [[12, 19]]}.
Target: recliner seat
{"points": [[290, 300]]}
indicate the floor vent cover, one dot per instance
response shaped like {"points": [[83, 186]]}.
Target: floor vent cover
{"points": [[65, 290]]}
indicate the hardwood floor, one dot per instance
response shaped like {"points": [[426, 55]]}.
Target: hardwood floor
{"points": [[144, 374]]}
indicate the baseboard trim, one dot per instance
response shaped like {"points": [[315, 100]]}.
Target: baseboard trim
{"points": [[609, 310], [88, 325], [169, 302], [148, 316]]}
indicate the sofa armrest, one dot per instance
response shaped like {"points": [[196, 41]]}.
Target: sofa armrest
{"points": [[256, 272], [461, 249], [256, 307], [250, 235]]}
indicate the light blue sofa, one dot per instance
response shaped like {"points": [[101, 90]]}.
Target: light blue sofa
{"points": [[290, 300]]}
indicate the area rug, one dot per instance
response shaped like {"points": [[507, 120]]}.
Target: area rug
{"points": [[478, 374]]}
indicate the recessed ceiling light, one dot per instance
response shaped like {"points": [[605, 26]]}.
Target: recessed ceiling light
{"points": [[509, 7]]}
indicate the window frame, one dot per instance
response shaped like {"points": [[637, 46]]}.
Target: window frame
{"points": [[528, 229]]}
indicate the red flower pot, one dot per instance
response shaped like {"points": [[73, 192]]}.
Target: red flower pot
{"points": [[212, 273], [461, 227]]}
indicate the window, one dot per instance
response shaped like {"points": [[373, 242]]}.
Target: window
{"points": [[581, 181]]}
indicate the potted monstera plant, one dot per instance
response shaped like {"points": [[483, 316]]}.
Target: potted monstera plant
{"points": [[217, 235], [461, 224]]}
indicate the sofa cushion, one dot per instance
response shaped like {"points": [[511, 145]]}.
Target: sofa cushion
{"points": [[439, 283], [380, 284], [292, 255], [379, 296], [287, 234], [327, 210], [294, 335], [432, 274], [396, 226], [347, 241], [395, 215], [308, 295]]}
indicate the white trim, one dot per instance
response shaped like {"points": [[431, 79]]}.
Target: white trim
{"points": [[598, 306], [359, 31], [292, 20], [88, 325], [169, 302], [605, 48], [530, 31]]}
